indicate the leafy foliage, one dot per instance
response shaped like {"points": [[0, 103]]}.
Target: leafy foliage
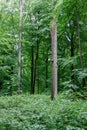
{"points": [[39, 113], [37, 18]]}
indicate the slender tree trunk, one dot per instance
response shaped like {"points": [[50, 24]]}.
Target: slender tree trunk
{"points": [[54, 58], [20, 47], [38, 82], [37, 72], [36, 62], [32, 70], [36, 69], [80, 45], [54, 54], [72, 55]]}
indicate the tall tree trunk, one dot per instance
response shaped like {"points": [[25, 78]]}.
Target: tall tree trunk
{"points": [[20, 47], [38, 81], [36, 63], [80, 45], [54, 54], [54, 58], [72, 55], [53, 31], [47, 69], [32, 70], [36, 69]]}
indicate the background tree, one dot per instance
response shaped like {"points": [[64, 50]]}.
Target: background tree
{"points": [[37, 56], [21, 2]]}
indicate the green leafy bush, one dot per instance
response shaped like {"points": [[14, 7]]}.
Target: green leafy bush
{"points": [[38, 112]]}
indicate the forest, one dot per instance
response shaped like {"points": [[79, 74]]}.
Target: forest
{"points": [[43, 66]]}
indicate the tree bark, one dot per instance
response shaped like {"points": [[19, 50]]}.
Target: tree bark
{"points": [[38, 80], [72, 55], [20, 47], [36, 63], [32, 70], [47, 69], [54, 58]]}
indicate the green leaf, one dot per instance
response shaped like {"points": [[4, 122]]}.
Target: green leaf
{"points": [[58, 8]]}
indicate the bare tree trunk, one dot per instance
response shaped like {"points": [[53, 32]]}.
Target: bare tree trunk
{"points": [[38, 81], [36, 69], [19, 47], [54, 58], [36, 63], [47, 69], [54, 53], [80, 45], [72, 55], [32, 70]]}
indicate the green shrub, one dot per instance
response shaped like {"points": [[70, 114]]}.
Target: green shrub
{"points": [[38, 112]]}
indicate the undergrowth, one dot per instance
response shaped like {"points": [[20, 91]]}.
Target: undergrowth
{"points": [[38, 112]]}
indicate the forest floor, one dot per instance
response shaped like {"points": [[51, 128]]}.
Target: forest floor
{"points": [[38, 112]]}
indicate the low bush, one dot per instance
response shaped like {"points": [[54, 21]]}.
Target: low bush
{"points": [[38, 112]]}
